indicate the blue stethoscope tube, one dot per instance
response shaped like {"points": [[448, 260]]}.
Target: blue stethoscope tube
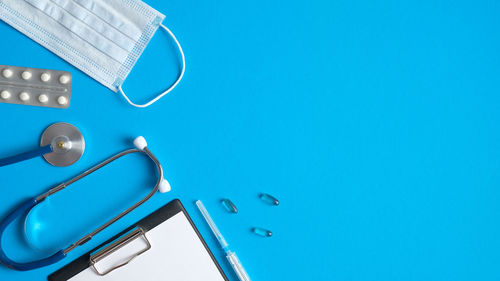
{"points": [[25, 156], [19, 211], [161, 184]]}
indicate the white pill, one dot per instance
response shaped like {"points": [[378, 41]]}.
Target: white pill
{"points": [[43, 98], [62, 100], [5, 94], [45, 77], [7, 73], [26, 75], [24, 96], [64, 79]]}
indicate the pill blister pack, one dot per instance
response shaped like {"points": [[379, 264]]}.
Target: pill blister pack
{"points": [[35, 86]]}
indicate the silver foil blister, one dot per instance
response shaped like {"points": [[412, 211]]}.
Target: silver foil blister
{"points": [[35, 86]]}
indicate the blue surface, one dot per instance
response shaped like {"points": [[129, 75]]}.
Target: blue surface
{"points": [[375, 123]]}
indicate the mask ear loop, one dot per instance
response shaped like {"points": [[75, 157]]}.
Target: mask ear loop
{"points": [[171, 87]]}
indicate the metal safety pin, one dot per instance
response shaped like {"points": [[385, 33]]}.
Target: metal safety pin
{"points": [[161, 184]]}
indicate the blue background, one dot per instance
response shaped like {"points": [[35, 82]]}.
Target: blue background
{"points": [[374, 122]]}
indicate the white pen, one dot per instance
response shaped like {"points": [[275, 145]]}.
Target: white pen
{"points": [[230, 255]]}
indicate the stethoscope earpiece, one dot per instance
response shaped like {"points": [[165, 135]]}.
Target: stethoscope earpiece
{"points": [[140, 143], [164, 186]]}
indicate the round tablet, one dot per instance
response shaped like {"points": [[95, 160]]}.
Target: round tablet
{"points": [[26, 75], [7, 73], [64, 79], [62, 100], [43, 98], [5, 94], [45, 77], [24, 96]]}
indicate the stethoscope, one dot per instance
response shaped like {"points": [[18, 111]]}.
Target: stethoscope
{"points": [[62, 144]]}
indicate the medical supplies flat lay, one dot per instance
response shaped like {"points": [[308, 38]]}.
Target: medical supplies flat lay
{"points": [[103, 38], [34, 86], [57, 137], [230, 255], [164, 245]]}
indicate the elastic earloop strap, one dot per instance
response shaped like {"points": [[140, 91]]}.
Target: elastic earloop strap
{"points": [[171, 87]]}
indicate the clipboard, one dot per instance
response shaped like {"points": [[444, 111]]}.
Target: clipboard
{"points": [[165, 245]]}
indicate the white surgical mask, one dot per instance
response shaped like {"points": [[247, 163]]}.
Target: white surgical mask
{"points": [[103, 38]]}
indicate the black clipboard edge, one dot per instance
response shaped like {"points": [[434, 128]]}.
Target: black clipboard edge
{"points": [[147, 223]]}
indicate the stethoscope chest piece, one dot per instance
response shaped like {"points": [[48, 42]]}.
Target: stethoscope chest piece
{"points": [[67, 144]]}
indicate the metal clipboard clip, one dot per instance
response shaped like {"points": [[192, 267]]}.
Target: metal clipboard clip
{"points": [[117, 245]]}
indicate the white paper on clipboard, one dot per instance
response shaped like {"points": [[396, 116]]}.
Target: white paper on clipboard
{"points": [[176, 253]]}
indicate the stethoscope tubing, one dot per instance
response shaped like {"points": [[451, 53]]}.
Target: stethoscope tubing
{"points": [[28, 205], [16, 213], [89, 236], [25, 156]]}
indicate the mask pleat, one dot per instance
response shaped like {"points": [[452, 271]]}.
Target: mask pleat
{"points": [[80, 29], [110, 16], [94, 22]]}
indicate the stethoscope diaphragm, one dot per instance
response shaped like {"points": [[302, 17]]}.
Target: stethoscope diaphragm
{"points": [[67, 144]]}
